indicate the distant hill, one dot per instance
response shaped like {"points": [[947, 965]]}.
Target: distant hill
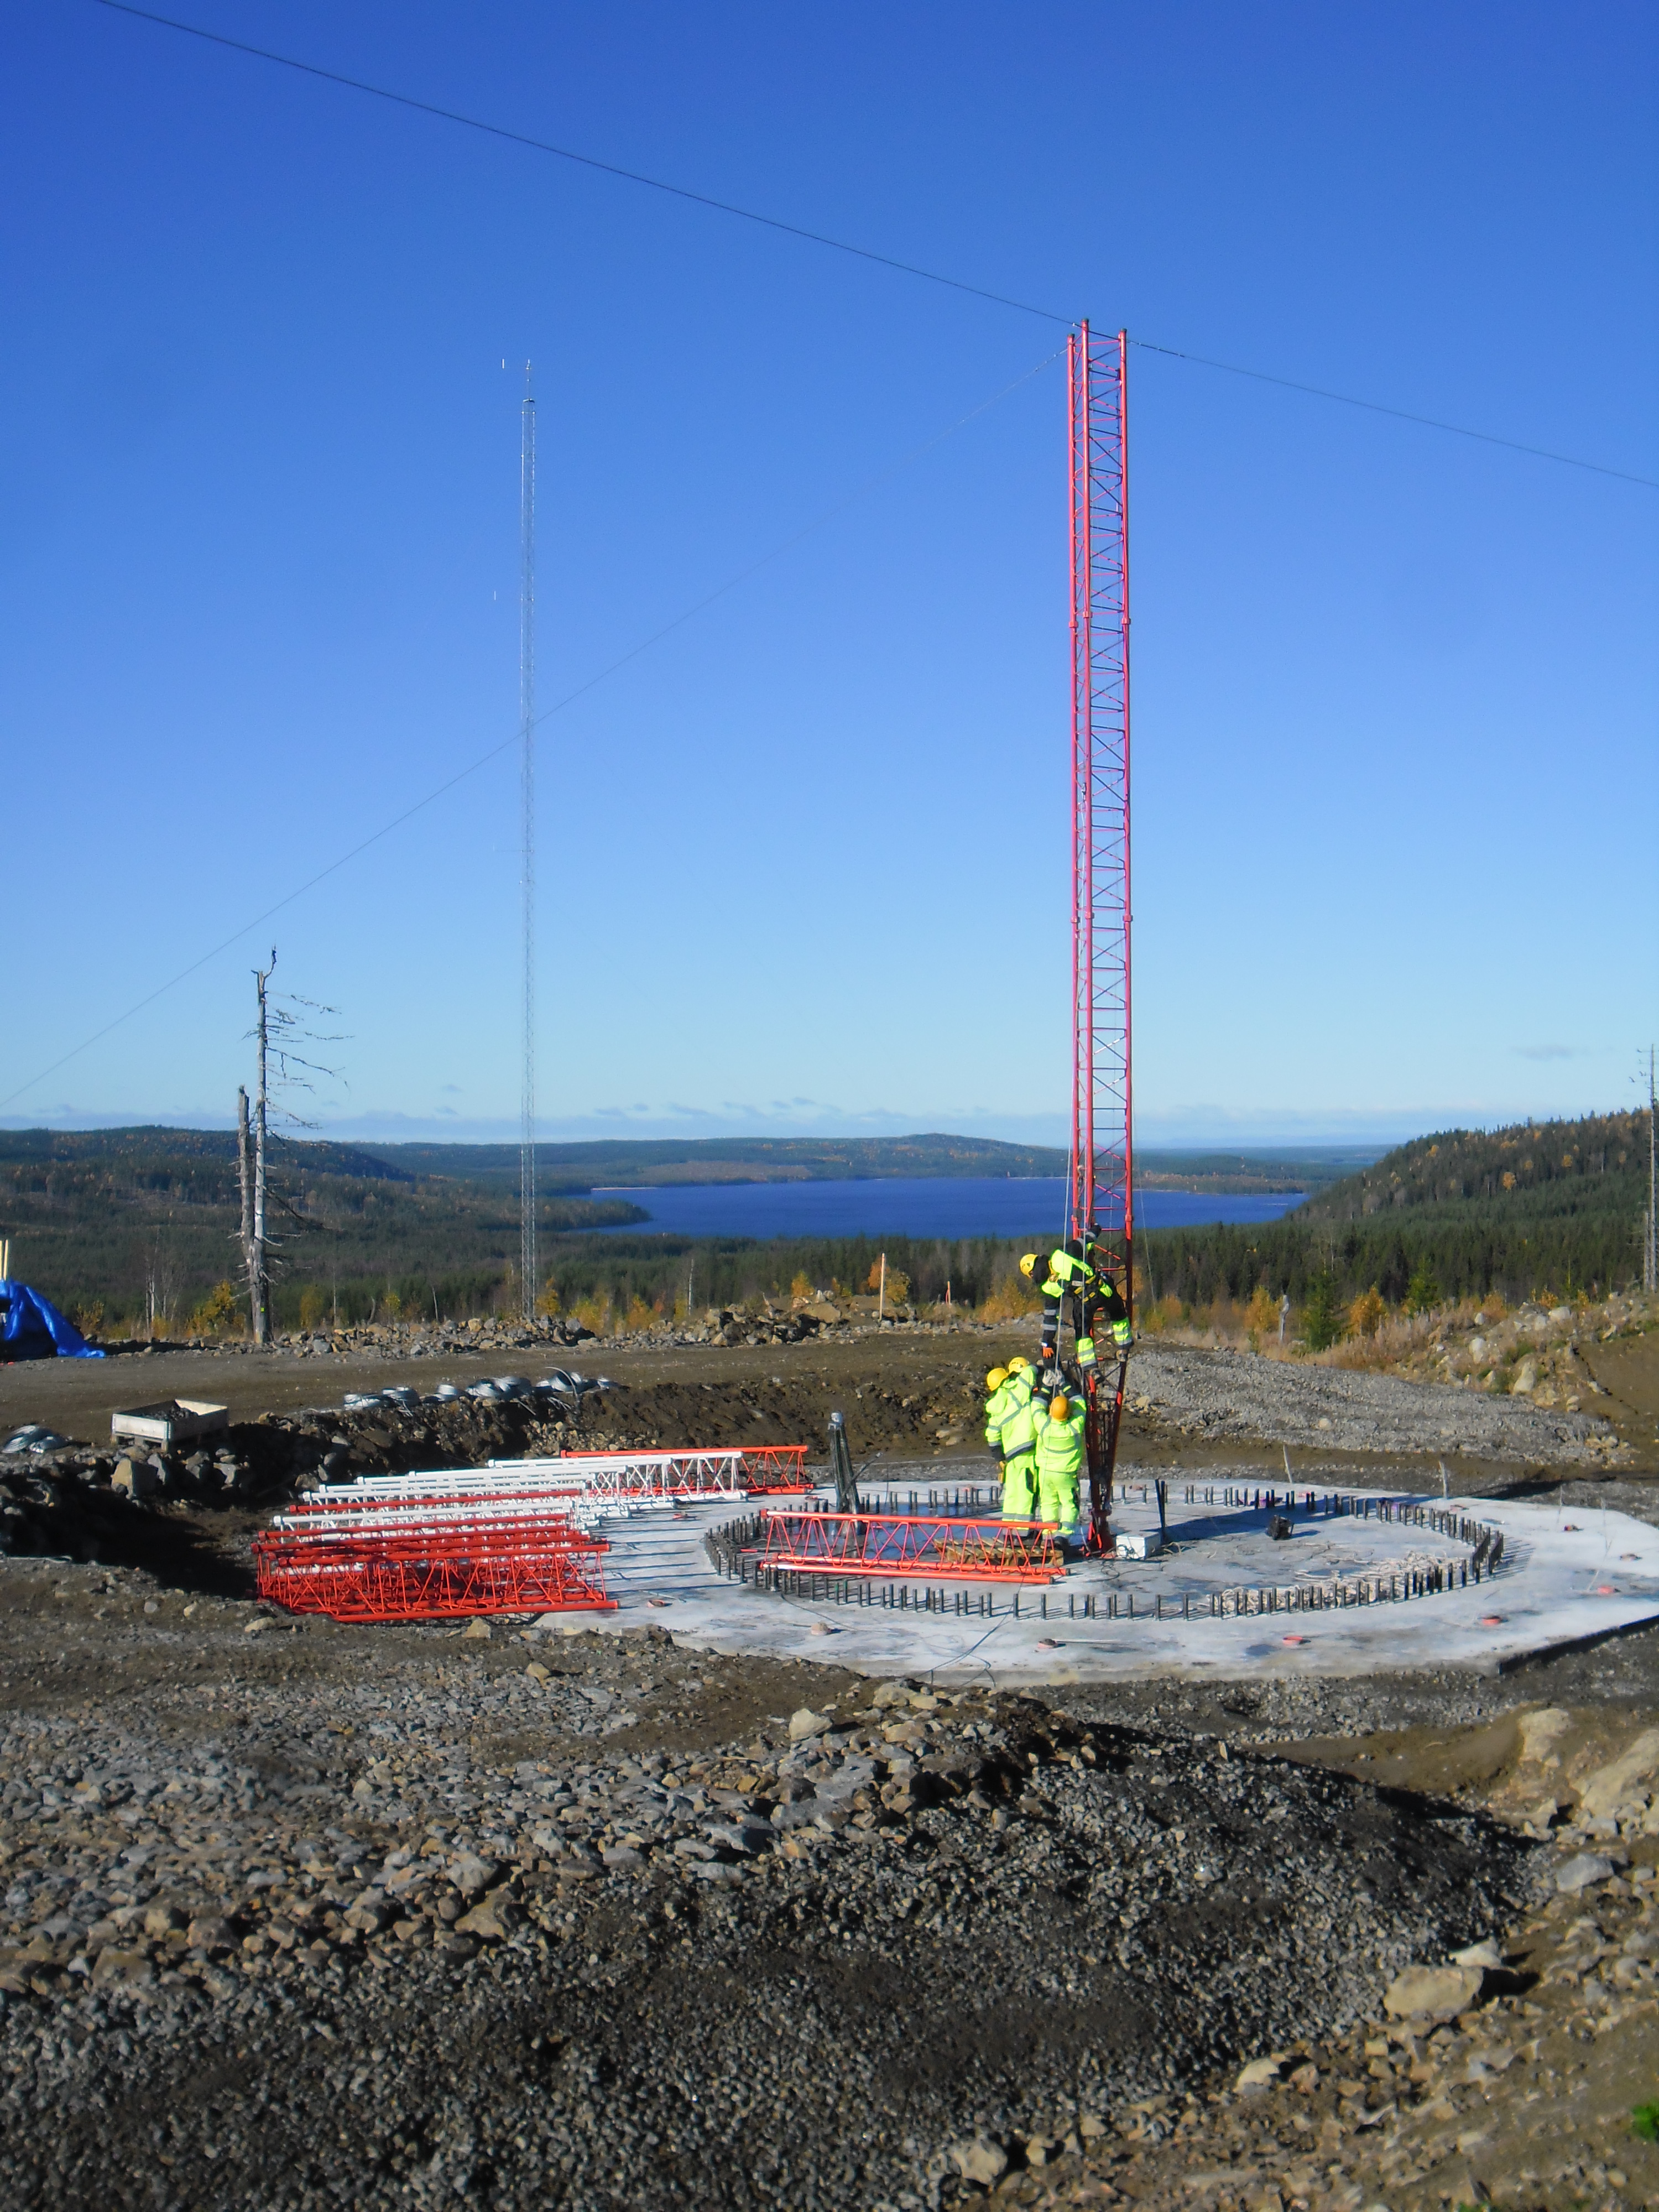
{"points": [[130, 1220], [645, 1163], [641, 1163], [1534, 1171], [1540, 1207]]}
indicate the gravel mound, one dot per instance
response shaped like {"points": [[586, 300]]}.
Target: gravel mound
{"points": [[1233, 1393]]}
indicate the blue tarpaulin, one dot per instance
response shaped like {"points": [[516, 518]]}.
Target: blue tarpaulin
{"points": [[31, 1328]]}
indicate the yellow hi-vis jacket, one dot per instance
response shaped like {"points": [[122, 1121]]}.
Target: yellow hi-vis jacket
{"points": [[1060, 1448], [1006, 1401], [1020, 1428], [995, 1406], [1066, 1273]]}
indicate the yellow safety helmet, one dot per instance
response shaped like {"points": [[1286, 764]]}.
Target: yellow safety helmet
{"points": [[1028, 1265], [996, 1378], [1060, 1408], [1017, 1365]]}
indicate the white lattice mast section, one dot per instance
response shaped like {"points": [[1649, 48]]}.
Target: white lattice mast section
{"points": [[528, 1273]]}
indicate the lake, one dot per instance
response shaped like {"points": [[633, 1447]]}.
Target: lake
{"points": [[950, 1206]]}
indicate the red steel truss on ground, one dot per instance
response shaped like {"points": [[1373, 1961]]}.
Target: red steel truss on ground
{"points": [[890, 1544], [435, 1572], [1101, 1171]]}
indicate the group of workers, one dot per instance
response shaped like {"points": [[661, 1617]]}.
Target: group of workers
{"points": [[1034, 1423]]}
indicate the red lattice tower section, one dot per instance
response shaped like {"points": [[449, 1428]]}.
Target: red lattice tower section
{"points": [[1101, 1171], [947, 1548], [391, 1566]]}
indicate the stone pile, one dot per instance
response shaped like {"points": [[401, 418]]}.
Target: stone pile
{"points": [[397, 1916]]}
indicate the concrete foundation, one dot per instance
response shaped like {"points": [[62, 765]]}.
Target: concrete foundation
{"points": [[1567, 1577]]}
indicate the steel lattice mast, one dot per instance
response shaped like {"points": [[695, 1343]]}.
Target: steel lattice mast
{"points": [[1101, 1171], [527, 1263]]}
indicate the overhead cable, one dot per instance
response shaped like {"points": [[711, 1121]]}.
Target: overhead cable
{"points": [[863, 490], [835, 244], [1401, 414], [585, 160]]}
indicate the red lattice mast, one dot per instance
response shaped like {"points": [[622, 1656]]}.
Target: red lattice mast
{"points": [[1102, 1172]]}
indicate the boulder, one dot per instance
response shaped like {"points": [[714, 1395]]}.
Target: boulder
{"points": [[137, 1478], [129, 1970], [1583, 1871], [471, 1873], [1432, 1992], [978, 2160], [1602, 1793], [804, 1723], [1260, 2074]]}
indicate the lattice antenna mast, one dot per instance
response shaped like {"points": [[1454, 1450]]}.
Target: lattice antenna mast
{"points": [[528, 1277], [1102, 1174]]}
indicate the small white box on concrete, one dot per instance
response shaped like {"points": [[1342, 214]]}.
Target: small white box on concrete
{"points": [[1137, 1544]]}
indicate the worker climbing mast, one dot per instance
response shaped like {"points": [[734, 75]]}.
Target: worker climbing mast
{"points": [[1102, 1166]]}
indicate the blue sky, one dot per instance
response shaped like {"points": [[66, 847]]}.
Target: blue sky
{"points": [[804, 861]]}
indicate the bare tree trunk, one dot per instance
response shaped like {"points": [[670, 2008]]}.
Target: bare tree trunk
{"points": [[244, 1177]]}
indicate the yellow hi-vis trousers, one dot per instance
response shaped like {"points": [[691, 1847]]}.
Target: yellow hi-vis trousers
{"points": [[1057, 1500], [1019, 1487]]}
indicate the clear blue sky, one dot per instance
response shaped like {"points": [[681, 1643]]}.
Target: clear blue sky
{"points": [[804, 862]]}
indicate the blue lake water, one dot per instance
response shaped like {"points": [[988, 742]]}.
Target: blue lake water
{"points": [[919, 1205]]}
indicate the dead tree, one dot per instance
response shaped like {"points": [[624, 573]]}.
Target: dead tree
{"points": [[277, 1032]]}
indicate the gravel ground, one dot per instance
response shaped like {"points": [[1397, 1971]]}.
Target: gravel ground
{"points": [[1222, 1393], [315, 1915], [324, 1915]]}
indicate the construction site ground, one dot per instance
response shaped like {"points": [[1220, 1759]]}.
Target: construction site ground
{"points": [[302, 1915]]}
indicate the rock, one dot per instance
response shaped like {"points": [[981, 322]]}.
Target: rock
{"points": [[477, 1627], [1601, 1794], [1583, 1871], [1432, 1992], [211, 1931], [471, 1873], [1260, 2074], [136, 1477], [482, 1921], [1485, 1955], [1560, 1313], [804, 1723], [977, 2159], [890, 1694], [746, 1836], [1541, 1730], [621, 1858], [161, 1920], [1526, 1379], [129, 1970]]}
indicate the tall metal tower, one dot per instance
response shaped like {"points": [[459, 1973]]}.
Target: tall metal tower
{"points": [[528, 1277], [1102, 1168]]}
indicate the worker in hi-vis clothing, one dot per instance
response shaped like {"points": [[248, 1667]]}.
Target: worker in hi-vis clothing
{"points": [[1094, 1295], [1018, 1443], [1061, 1453], [996, 1405]]}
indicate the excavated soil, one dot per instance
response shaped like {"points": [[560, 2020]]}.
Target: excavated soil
{"points": [[306, 1916]]}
